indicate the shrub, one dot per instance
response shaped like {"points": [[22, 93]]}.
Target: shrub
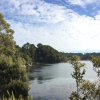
{"points": [[13, 76]]}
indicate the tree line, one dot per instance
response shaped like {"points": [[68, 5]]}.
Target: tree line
{"points": [[85, 56], [42, 53]]}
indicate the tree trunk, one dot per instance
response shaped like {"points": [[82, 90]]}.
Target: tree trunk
{"points": [[77, 91]]}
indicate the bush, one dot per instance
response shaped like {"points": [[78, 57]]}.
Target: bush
{"points": [[13, 76], [18, 87]]}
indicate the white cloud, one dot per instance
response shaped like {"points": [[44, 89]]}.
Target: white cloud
{"points": [[35, 11], [53, 25], [28, 9], [78, 33], [83, 3], [97, 16]]}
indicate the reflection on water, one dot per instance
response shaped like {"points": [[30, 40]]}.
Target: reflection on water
{"points": [[30, 69], [54, 81], [31, 78]]}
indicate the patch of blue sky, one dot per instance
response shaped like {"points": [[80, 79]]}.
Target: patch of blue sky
{"points": [[88, 10], [83, 11], [24, 19], [58, 2]]}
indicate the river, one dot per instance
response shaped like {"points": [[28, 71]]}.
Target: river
{"points": [[54, 81]]}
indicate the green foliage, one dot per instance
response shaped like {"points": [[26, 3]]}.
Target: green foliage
{"points": [[95, 61], [18, 87], [87, 88], [77, 72], [85, 56], [29, 52], [47, 54], [12, 73], [12, 97], [9, 71], [7, 44], [43, 53], [77, 66], [75, 96], [19, 53]]}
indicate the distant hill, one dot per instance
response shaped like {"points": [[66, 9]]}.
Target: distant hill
{"points": [[85, 56]]}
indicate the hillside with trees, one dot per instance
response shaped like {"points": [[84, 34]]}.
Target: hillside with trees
{"points": [[85, 56], [42, 53]]}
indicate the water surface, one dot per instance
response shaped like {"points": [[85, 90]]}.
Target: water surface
{"points": [[54, 81]]}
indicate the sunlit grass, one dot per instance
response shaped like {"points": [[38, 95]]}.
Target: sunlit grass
{"points": [[11, 97]]}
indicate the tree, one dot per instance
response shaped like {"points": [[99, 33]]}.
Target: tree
{"points": [[87, 88], [26, 46], [47, 54], [77, 73], [90, 91], [28, 50], [32, 51], [12, 73], [39, 45], [7, 44]]}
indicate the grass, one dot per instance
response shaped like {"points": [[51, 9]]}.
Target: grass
{"points": [[11, 97]]}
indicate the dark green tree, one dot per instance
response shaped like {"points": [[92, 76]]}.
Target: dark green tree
{"points": [[47, 54], [12, 70], [11, 64], [29, 49], [7, 44]]}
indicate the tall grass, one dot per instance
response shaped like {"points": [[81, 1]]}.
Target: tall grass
{"points": [[11, 97]]}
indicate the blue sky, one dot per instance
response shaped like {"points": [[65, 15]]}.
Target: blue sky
{"points": [[66, 25]]}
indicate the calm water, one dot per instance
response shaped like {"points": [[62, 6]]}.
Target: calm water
{"points": [[54, 81]]}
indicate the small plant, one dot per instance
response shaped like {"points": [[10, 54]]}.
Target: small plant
{"points": [[77, 73]]}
